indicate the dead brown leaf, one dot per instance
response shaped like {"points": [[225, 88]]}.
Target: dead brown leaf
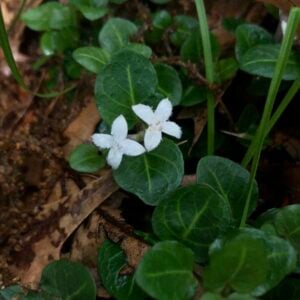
{"points": [[118, 231], [86, 242], [81, 129], [55, 222]]}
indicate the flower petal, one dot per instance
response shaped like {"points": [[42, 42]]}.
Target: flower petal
{"points": [[144, 112], [114, 158], [152, 138], [102, 141], [171, 128], [164, 110], [119, 128], [132, 148]]}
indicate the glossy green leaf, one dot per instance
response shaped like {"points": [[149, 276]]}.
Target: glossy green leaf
{"points": [[252, 262], [239, 262], [226, 69], [248, 36], [191, 49], [228, 179], [85, 158], [115, 34], [261, 60], [140, 49], [129, 79], [195, 216], [118, 1], [91, 9], [51, 15], [287, 224], [234, 296], [166, 272], [160, 1], [193, 95], [53, 42], [169, 83], [68, 281], [282, 259], [111, 261], [184, 25], [92, 58], [152, 175], [161, 19]]}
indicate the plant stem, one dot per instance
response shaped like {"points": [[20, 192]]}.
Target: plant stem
{"points": [[278, 112], [209, 73], [284, 53]]}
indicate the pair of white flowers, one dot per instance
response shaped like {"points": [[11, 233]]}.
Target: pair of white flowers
{"points": [[118, 141]]}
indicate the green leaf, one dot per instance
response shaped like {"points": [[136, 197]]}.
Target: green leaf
{"points": [[183, 27], [51, 15], [287, 224], [226, 69], [92, 58], [115, 34], [234, 296], [166, 272], [191, 49], [248, 36], [211, 296], [161, 19], [140, 49], [118, 1], [261, 60], [228, 179], [152, 175], [169, 83], [282, 260], [128, 80], [54, 41], [85, 158], [68, 281], [91, 10], [195, 216], [239, 262], [111, 261], [251, 261], [160, 1], [193, 95]]}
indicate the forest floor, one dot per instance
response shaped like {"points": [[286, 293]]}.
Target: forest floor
{"points": [[47, 210]]}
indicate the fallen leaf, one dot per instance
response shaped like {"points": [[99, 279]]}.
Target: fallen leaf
{"points": [[81, 129], [54, 223]]}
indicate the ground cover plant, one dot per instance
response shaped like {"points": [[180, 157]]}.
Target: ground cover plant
{"points": [[168, 197]]}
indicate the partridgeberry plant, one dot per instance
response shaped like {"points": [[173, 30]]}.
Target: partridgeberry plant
{"points": [[211, 239]]}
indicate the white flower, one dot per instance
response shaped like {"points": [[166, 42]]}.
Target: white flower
{"points": [[158, 122], [117, 142]]}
